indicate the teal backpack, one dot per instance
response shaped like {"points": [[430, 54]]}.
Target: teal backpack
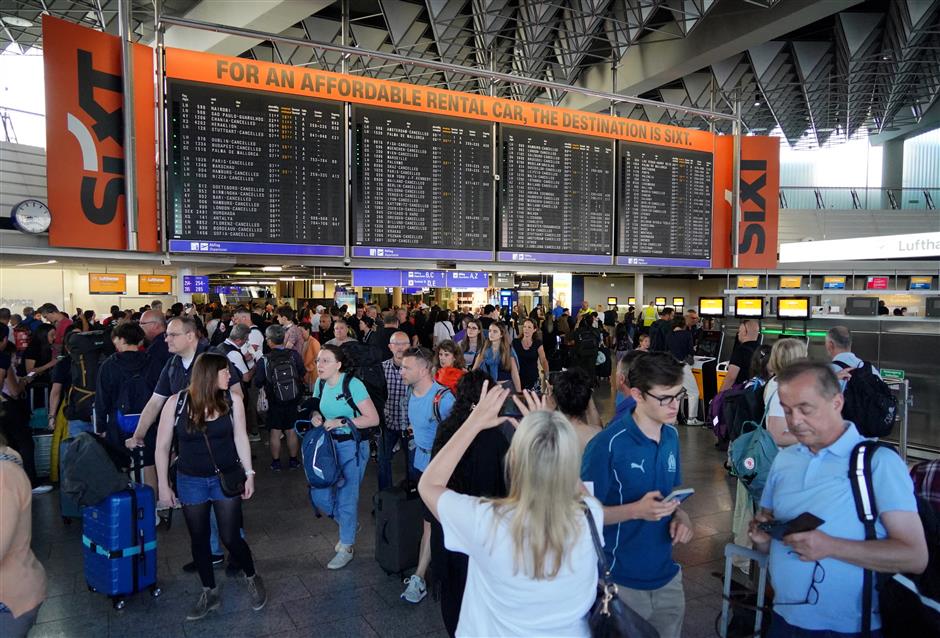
{"points": [[751, 455]]}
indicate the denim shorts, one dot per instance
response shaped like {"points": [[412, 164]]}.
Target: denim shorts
{"points": [[196, 490]]}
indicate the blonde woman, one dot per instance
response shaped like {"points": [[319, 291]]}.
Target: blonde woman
{"points": [[498, 359], [531, 550], [784, 352]]}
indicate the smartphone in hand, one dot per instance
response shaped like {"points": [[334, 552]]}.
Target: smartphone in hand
{"points": [[680, 494]]}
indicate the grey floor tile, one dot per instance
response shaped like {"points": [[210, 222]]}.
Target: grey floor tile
{"points": [[87, 626], [270, 620]]}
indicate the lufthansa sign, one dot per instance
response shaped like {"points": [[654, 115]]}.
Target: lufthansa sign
{"points": [[883, 247]]}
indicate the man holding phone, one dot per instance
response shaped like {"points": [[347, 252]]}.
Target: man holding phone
{"points": [[817, 574], [633, 464]]}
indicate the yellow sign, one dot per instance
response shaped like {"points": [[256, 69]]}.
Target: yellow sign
{"points": [[791, 281], [107, 283], [631, 301], [921, 282], [748, 281], [834, 282], [678, 301], [796, 308], [712, 306], [155, 284], [611, 301], [659, 302], [748, 307]]}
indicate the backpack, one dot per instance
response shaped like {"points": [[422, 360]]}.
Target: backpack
{"points": [[435, 403], [731, 409], [88, 350], [365, 364], [89, 473], [909, 603], [585, 342], [869, 402], [750, 456], [220, 334], [283, 382], [134, 392], [320, 458]]}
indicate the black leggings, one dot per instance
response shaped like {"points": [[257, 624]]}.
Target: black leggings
{"points": [[14, 424], [228, 514]]}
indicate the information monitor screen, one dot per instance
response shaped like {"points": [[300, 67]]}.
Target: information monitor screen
{"points": [[749, 307], [664, 212], [423, 186], [834, 282], [254, 172], [711, 306], [556, 197], [793, 308]]}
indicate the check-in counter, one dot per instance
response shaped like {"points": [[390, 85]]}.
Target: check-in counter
{"points": [[907, 344]]}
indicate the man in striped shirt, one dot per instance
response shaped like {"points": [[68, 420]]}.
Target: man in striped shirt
{"points": [[396, 408]]}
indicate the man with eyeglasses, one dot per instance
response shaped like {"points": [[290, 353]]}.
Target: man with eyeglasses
{"points": [[154, 324], [818, 575], [396, 409], [632, 465]]}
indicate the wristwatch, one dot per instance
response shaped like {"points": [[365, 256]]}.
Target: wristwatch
{"points": [[250, 472]]}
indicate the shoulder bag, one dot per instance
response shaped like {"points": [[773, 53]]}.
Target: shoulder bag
{"points": [[231, 480], [610, 617]]}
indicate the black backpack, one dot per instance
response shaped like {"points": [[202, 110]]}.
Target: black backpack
{"points": [[869, 402], [222, 331], [135, 390], [909, 604], [586, 342], [87, 350], [365, 364], [283, 382]]}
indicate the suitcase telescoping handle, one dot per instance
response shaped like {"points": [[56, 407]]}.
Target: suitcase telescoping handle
{"points": [[137, 465], [760, 559]]}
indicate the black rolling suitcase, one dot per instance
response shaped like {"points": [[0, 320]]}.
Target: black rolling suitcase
{"points": [[398, 524], [603, 370]]}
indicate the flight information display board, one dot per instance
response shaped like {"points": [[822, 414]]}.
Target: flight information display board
{"points": [[422, 186], [664, 214], [254, 172], [556, 198]]}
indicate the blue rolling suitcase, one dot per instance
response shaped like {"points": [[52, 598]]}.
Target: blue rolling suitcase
{"points": [[119, 535]]}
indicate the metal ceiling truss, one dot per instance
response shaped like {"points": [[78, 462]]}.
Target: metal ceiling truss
{"points": [[868, 69]]}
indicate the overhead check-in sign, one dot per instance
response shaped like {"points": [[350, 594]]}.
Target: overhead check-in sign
{"points": [[883, 247]]}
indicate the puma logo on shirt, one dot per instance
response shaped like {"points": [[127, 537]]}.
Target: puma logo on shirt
{"points": [[638, 466]]}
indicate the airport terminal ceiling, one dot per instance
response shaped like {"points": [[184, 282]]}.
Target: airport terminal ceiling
{"points": [[815, 73]]}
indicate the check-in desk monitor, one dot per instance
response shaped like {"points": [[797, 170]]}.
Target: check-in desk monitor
{"points": [[933, 307], [861, 306], [711, 306], [749, 307], [796, 308], [707, 348]]}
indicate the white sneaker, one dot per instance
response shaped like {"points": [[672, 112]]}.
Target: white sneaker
{"points": [[42, 489], [254, 438], [343, 556], [694, 422], [416, 590]]}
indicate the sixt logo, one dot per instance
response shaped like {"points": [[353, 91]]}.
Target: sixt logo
{"points": [[753, 207], [106, 125]]}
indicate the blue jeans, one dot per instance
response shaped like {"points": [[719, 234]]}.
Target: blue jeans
{"points": [[341, 502], [76, 427], [780, 628], [192, 490], [387, 441]]}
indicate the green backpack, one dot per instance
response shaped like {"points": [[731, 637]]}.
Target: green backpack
{"points": [[751, 454]]}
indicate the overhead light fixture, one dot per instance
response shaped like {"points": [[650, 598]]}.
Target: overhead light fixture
{"points": [[38, 263], [756, 102], [17, 21], [242, 273], [272, 268]]}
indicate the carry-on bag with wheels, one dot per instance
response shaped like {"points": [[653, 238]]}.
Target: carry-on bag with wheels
{"points": [[119, 536], [398, 524], [744, 611], [68, 505]]}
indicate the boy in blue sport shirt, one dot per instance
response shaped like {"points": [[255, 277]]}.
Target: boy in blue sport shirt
{"points": [[423, 392], [633, 464]]}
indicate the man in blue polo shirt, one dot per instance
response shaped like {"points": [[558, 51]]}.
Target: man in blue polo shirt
{"points": [[633, 464], [817, 576]]}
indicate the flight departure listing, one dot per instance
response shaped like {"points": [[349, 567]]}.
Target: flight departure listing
{"points": [[556, 198], [664, 215], [255, 172], [422, 186]]}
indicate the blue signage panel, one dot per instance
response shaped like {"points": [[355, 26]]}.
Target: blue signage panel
{"points": [[252, 248], [376, 278], [465, 279], [195, 284], [424, 279]]}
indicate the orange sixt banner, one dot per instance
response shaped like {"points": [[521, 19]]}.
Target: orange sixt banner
{"points": [[760, 202], [85, 138], [239, 72]]}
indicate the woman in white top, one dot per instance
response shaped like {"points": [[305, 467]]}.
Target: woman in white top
{"points": [[443, 327], [532, 568]]}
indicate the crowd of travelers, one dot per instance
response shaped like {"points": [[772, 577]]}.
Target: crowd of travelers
{"points": [[495, 413]]}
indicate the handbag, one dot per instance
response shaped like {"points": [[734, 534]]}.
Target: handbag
{"points": [[610, 617], [231, 480]]}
